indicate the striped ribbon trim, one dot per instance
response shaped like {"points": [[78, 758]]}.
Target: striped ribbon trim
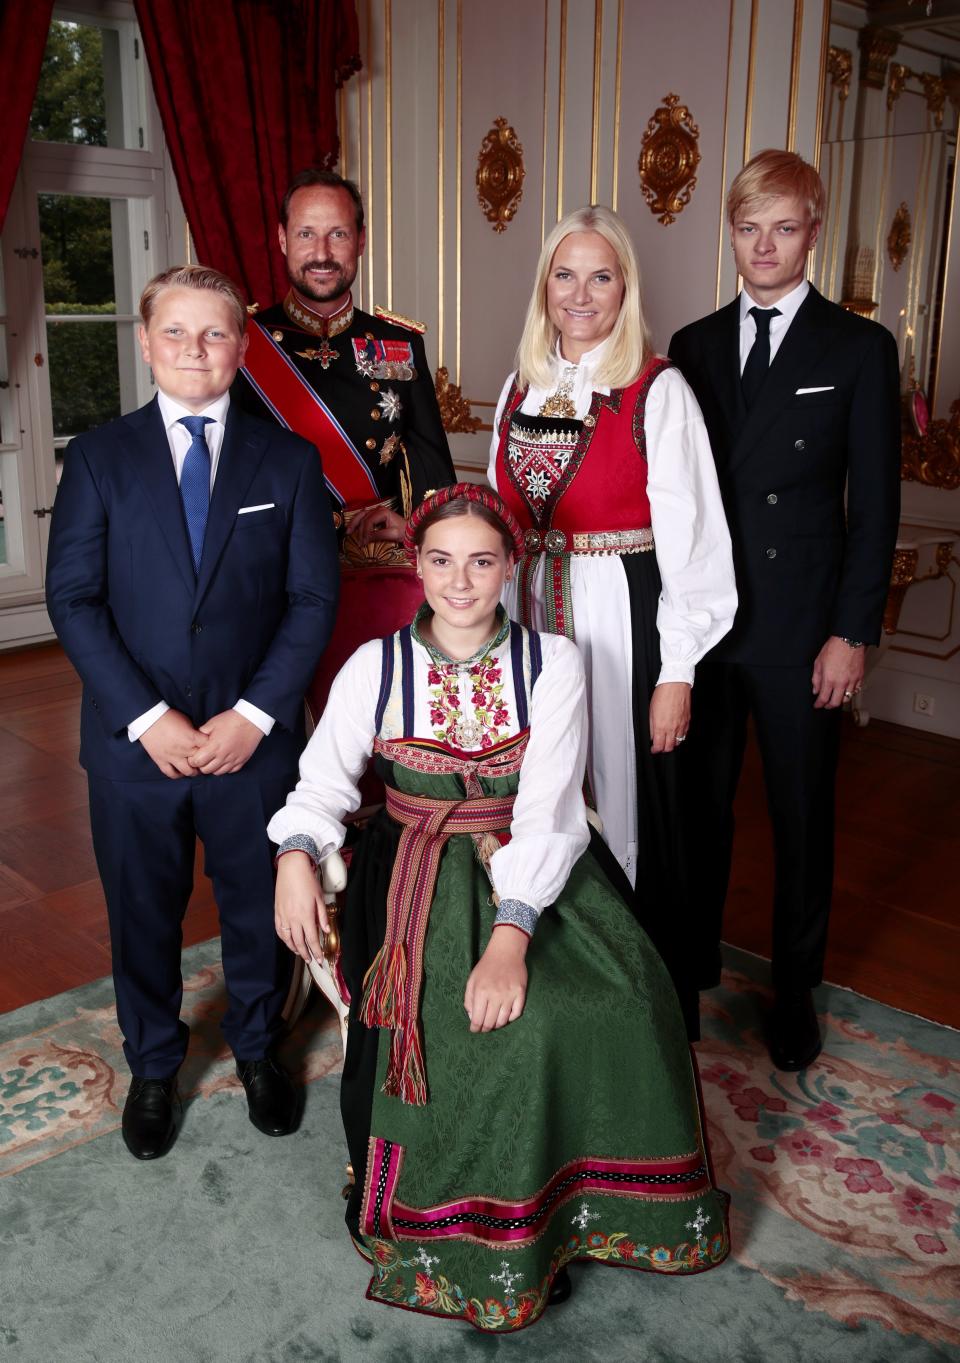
{"points": [[392, 986]]}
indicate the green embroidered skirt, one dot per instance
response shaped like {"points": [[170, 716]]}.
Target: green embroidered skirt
{"points": [[573, 1133]]}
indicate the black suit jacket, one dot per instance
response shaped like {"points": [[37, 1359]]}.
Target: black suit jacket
{"points": [[810, 480], [141, 626]]}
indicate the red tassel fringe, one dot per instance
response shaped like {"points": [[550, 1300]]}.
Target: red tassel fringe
{"points": [[383, 987]]}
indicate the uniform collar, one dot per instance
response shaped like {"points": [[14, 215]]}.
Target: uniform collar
{"points": [[313, 322]]}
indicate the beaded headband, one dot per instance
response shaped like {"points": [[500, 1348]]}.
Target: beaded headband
{"points": [[470, 492]]}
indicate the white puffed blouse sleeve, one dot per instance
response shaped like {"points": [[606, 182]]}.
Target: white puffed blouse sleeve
{"points": [[549, 828], [336, 757]]}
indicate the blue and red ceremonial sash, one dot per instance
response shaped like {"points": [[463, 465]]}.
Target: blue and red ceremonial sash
{"points": [[279, 383]]}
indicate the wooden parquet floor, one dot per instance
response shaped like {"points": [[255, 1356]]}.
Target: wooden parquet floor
{"points": [[895, 932]]}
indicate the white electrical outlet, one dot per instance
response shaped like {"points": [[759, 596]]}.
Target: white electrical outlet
{"points": [[922, 704]]}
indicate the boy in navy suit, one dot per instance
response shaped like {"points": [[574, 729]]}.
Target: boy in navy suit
{"points": [[192, 581]]}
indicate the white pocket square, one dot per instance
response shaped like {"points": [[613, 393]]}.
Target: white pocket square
{"points": [[827, 389], [261, 506]]}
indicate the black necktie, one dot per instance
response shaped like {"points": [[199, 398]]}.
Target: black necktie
{"points": [[758, 361]]}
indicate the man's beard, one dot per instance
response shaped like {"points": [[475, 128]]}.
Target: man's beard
{"points": [[338, 285]]}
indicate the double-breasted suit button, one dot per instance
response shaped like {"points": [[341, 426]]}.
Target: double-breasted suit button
{"points": [[799, 444], [772, 499], [771, 553], [196, 627]]}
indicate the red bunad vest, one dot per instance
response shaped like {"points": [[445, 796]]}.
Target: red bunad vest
{"points": [[582, 493]]}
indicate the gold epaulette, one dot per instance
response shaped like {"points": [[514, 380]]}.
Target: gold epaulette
{"points": [[400, 320], [252, 308]]}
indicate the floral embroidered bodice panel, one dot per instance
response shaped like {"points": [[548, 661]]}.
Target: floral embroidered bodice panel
{"points": [[468, 710], [539, 448]]}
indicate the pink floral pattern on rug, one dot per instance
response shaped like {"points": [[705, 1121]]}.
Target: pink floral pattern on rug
{"points": [[65, 1084], [844, 1178]]}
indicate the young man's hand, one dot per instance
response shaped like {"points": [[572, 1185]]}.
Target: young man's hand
{"points": [[231, 741], [171, 742]]}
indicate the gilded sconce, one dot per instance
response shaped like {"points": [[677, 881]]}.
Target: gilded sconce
{"points": [[500, 173], [898, 239], [454, 408], [669, 157]]}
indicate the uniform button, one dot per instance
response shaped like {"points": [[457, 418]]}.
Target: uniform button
{"points": [[197, 628], [371, 444], [369, 335], [375, 414], [771, 553], [771, 498], [799, 444], [374, 388], [188, 691]]}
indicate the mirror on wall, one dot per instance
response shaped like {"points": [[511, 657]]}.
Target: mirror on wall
{"points": [[889, 244]]}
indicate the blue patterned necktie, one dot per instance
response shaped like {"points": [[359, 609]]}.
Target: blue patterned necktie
{"points": [[195, 484]]}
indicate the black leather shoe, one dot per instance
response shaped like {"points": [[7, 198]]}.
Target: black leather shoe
{"points": [[149, 1125], [560, 1288], [794, 1039], [273, 1100]]}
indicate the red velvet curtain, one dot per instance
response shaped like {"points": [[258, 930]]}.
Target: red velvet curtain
{"points": [[23, 37], [247, 95]]}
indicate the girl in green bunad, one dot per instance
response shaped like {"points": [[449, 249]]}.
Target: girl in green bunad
{"points": [[518, 1091]]}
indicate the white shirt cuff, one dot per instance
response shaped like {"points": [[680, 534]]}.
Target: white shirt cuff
{"points": [[264, 722], [143, 722], [676, 672]]}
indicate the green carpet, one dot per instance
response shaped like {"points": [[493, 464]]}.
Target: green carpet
{"points": [[232, 1249]]}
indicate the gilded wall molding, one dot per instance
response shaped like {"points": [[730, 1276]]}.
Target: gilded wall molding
{"points": [[936, 95], [877, 46], [454, 408], [895, 83], [669, 156], [898, 238], [934, 458], [840, 70], [858, 280], [500, 173]]}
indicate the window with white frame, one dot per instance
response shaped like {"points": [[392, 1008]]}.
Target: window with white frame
{"points": [[94, 214]]}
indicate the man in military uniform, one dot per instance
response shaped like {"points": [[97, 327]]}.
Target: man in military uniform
{"points": [[357, 385]]}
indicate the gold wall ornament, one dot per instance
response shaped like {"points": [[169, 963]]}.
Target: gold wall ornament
{"points": [[877, 46], [840, 69], [936, 93], [895, 83], [500, 173], [454, 408], [934, 458], [668, 158], [858, 279], [898, 239]]}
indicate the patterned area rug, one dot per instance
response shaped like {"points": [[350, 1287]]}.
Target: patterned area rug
{"points": [[844, 1214]]}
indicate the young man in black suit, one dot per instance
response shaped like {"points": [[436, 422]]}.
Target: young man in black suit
{"points": [[192, 581], [801, 401]]}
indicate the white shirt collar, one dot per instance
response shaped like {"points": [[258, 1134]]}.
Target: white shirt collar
{"points": [[788, 306], [171, 411], [588, 360]]}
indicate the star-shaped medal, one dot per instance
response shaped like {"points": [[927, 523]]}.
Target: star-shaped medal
{"points": [[389, 448], [390, 404]]}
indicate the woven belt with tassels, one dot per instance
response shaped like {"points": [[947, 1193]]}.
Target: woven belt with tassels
{"points": [[392, 986]]}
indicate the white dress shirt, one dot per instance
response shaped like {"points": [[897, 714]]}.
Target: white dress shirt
{"points": [[180, 440], [788, 307], [698, 598]]}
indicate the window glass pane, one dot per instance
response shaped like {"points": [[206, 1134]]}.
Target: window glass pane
{"points": [[77, 242], [91, 86], [8, 435], [84, 374]]}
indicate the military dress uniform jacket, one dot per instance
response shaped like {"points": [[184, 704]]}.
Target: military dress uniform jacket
{"points": [[826, 421], [372, 377]]}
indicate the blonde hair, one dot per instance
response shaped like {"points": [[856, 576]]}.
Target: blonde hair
{"points": [[629, 346], [772, 174], [193, 277]]}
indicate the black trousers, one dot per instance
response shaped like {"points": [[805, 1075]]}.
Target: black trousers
{"points": [[144, 837], [798, 747]]}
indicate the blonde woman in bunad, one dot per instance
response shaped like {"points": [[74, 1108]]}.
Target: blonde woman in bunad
{"points": [[518, 1091], [601, 453]]}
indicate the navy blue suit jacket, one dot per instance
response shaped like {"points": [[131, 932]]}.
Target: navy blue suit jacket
{"points": [[141, 626]]}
